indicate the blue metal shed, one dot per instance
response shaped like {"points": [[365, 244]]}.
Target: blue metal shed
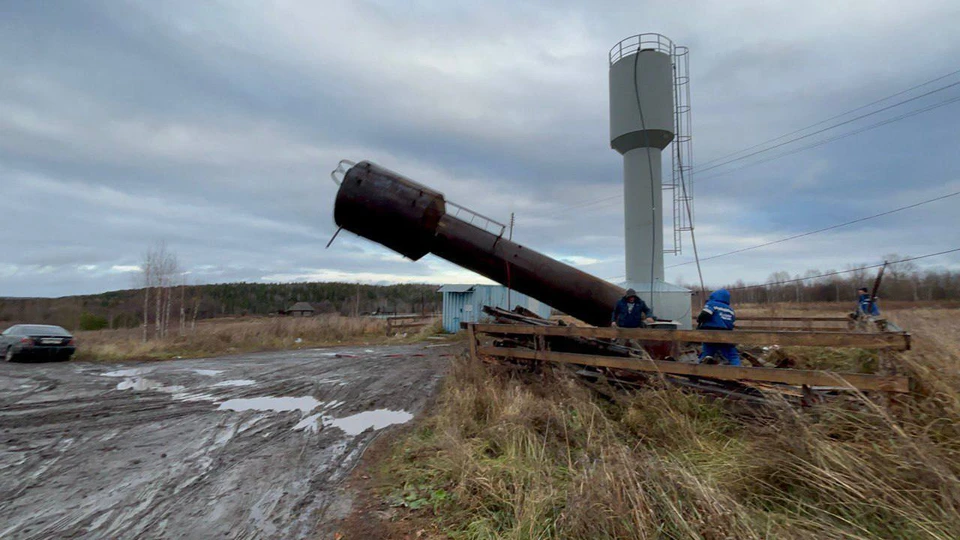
{"points": [[464, 303]]}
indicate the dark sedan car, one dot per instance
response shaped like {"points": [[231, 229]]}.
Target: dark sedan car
{"points": [[37, 341]]}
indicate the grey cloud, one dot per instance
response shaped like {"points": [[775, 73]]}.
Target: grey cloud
{"points": [[214, 126]]}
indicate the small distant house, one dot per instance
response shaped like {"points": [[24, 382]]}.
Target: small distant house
{"points": [[464, 303], [302, 309]]}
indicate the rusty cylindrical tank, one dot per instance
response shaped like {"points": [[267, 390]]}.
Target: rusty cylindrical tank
{"points": [[411, 219], [389, 209]]}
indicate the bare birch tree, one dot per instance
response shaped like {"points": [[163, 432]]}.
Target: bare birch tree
{"points": [[159, 270], [146, 277]]}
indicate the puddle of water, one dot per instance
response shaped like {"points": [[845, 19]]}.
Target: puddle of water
{"points": [[127, 372], [143, 383], [208, 372], [315, 422], [310, 423], [378, 419], [237, 382], [303, 404], [177, 392]]}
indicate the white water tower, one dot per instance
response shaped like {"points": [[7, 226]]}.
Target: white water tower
{"points": [[648, 106]]}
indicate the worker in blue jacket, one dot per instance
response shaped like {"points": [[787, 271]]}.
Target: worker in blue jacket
{"points": [[631, 312], [718, 315], [864, 304]]}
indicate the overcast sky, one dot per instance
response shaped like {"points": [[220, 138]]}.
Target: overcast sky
{"points": [[214, 125]]}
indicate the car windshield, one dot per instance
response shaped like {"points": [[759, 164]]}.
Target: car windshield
{"points": [[41, 330]]}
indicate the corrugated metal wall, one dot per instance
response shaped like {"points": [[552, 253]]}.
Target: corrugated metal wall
{"points": [[467, 306]]}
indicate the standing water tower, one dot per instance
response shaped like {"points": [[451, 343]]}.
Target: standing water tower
{"points": [[649, 110]]}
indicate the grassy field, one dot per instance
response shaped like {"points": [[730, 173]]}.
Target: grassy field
{"points": [[229, 336], [508, 454]]}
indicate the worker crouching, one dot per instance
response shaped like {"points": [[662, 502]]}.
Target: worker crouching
{"points": [[718, 315], [631, 312]]}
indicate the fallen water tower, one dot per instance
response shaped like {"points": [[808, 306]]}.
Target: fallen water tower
{"points": [[649, 114]]}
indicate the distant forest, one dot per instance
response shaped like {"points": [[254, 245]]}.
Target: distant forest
{"points": [[124, 309], [902, 281]]}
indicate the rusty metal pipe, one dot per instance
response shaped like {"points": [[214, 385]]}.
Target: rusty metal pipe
{"points": [[411, 219]]}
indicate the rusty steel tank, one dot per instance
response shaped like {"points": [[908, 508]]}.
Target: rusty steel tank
{"points": [[412, 219]]}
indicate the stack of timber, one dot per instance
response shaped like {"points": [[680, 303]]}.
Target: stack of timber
{"points": [[633, 357]]}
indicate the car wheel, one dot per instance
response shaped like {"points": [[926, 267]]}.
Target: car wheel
{"points": [[8, 356]]}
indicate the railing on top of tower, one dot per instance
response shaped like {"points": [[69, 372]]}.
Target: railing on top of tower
{"points": [[639, 42]]}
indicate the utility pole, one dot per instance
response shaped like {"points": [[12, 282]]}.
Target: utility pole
{"points": [[356, 310], [509, 237]]}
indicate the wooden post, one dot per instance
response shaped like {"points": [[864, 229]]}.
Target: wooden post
{"points": [[472, 341]]}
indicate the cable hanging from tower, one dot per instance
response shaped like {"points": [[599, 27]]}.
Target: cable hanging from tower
{"points": [[653, 194]]}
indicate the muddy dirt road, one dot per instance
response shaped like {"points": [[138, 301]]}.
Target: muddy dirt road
{"points": [[250, 446]]}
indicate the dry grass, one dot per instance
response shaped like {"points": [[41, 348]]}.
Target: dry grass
{"points": [[229, 336], [520, 455]]}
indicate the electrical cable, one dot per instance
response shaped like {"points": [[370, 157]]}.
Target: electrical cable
{"points": [[653, 194], [834, 117], [824, 229], [828, 128], [901, 117], [838, 137], [843, 271], [693, 238]]}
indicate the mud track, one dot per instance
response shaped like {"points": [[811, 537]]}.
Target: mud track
{"points": [[251, 446]]}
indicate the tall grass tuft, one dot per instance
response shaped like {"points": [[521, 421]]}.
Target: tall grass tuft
{"points": [[511, 454]]}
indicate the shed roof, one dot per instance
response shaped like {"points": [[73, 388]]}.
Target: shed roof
{"points": [[456, 288], [301, 306]]}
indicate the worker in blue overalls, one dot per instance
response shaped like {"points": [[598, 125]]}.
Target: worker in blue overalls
{"points": [[865, 304], [718, 315]]}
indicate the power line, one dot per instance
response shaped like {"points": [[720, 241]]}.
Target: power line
{"points": [[912, 113], [824, 229], [838, 137], [851, 111], [798, 150], [842, 271], [588, 203], [828, 128]]}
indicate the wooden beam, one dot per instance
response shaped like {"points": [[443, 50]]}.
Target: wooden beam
{"points": [[884, 341], [795, 319], [794, 377], [774, 328]]}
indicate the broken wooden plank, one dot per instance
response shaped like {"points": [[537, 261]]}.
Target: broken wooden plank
{"points": [[773, 328], [882, 341], [796, 377], [795, 319]]}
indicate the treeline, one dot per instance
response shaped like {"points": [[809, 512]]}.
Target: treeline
{"points": [[125, 309], [902, 281]]}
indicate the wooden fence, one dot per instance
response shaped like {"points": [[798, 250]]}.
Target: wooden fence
{"points": [[403, 323], [888, 341]]}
